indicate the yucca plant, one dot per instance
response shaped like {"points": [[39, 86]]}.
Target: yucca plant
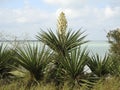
{"points": [[5, 62], [74, 65], [59, 44], [62, 42], [99, 66], [34, 58]]}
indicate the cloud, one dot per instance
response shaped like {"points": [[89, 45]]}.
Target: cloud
{"points": [[7, 1], [23, 15], [21, 20], [92, 13], [93, 17], [100, 10], [66, 3], [83, 3], [62, 2], [4, 0], [109, 12], [113, 3]]}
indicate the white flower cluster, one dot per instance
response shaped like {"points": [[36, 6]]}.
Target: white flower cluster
{"points": [[62, 24], [118, 29]]}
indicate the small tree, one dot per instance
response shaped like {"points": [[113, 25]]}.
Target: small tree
{"points": [[114, 40]]}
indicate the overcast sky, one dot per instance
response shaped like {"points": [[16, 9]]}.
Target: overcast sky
{"points": [[26, 17]]}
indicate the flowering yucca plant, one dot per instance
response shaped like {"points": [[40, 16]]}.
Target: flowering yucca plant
{"points": [[62, 42]]}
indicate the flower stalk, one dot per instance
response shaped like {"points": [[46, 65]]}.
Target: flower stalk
{"points": [[62, 24]]}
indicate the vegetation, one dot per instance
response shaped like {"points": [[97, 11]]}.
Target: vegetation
{"points": [[5, 62], [99, 67], [114, 40], [34, 59], [74, 65], [58, 63], [112, 83], [63, 43]]}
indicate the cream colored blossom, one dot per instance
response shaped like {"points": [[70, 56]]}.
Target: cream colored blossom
{"points": [[118, 29], [62, 24]]}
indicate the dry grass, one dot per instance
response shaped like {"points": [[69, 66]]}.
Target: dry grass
{"points": [[108, 84]]}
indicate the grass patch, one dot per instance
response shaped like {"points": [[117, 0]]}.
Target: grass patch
{"points": [[111, 83]]}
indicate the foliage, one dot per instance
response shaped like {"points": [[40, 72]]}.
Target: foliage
{"points": [[34, 59], [114, 40], [112, 83], [62, 41], [61, 63], [60, 44], [99, 66], [5, 62], [115, 65], [74, 64], [56, 73]]}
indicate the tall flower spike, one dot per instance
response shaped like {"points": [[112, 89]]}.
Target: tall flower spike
{"points": [[62, 24]]}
